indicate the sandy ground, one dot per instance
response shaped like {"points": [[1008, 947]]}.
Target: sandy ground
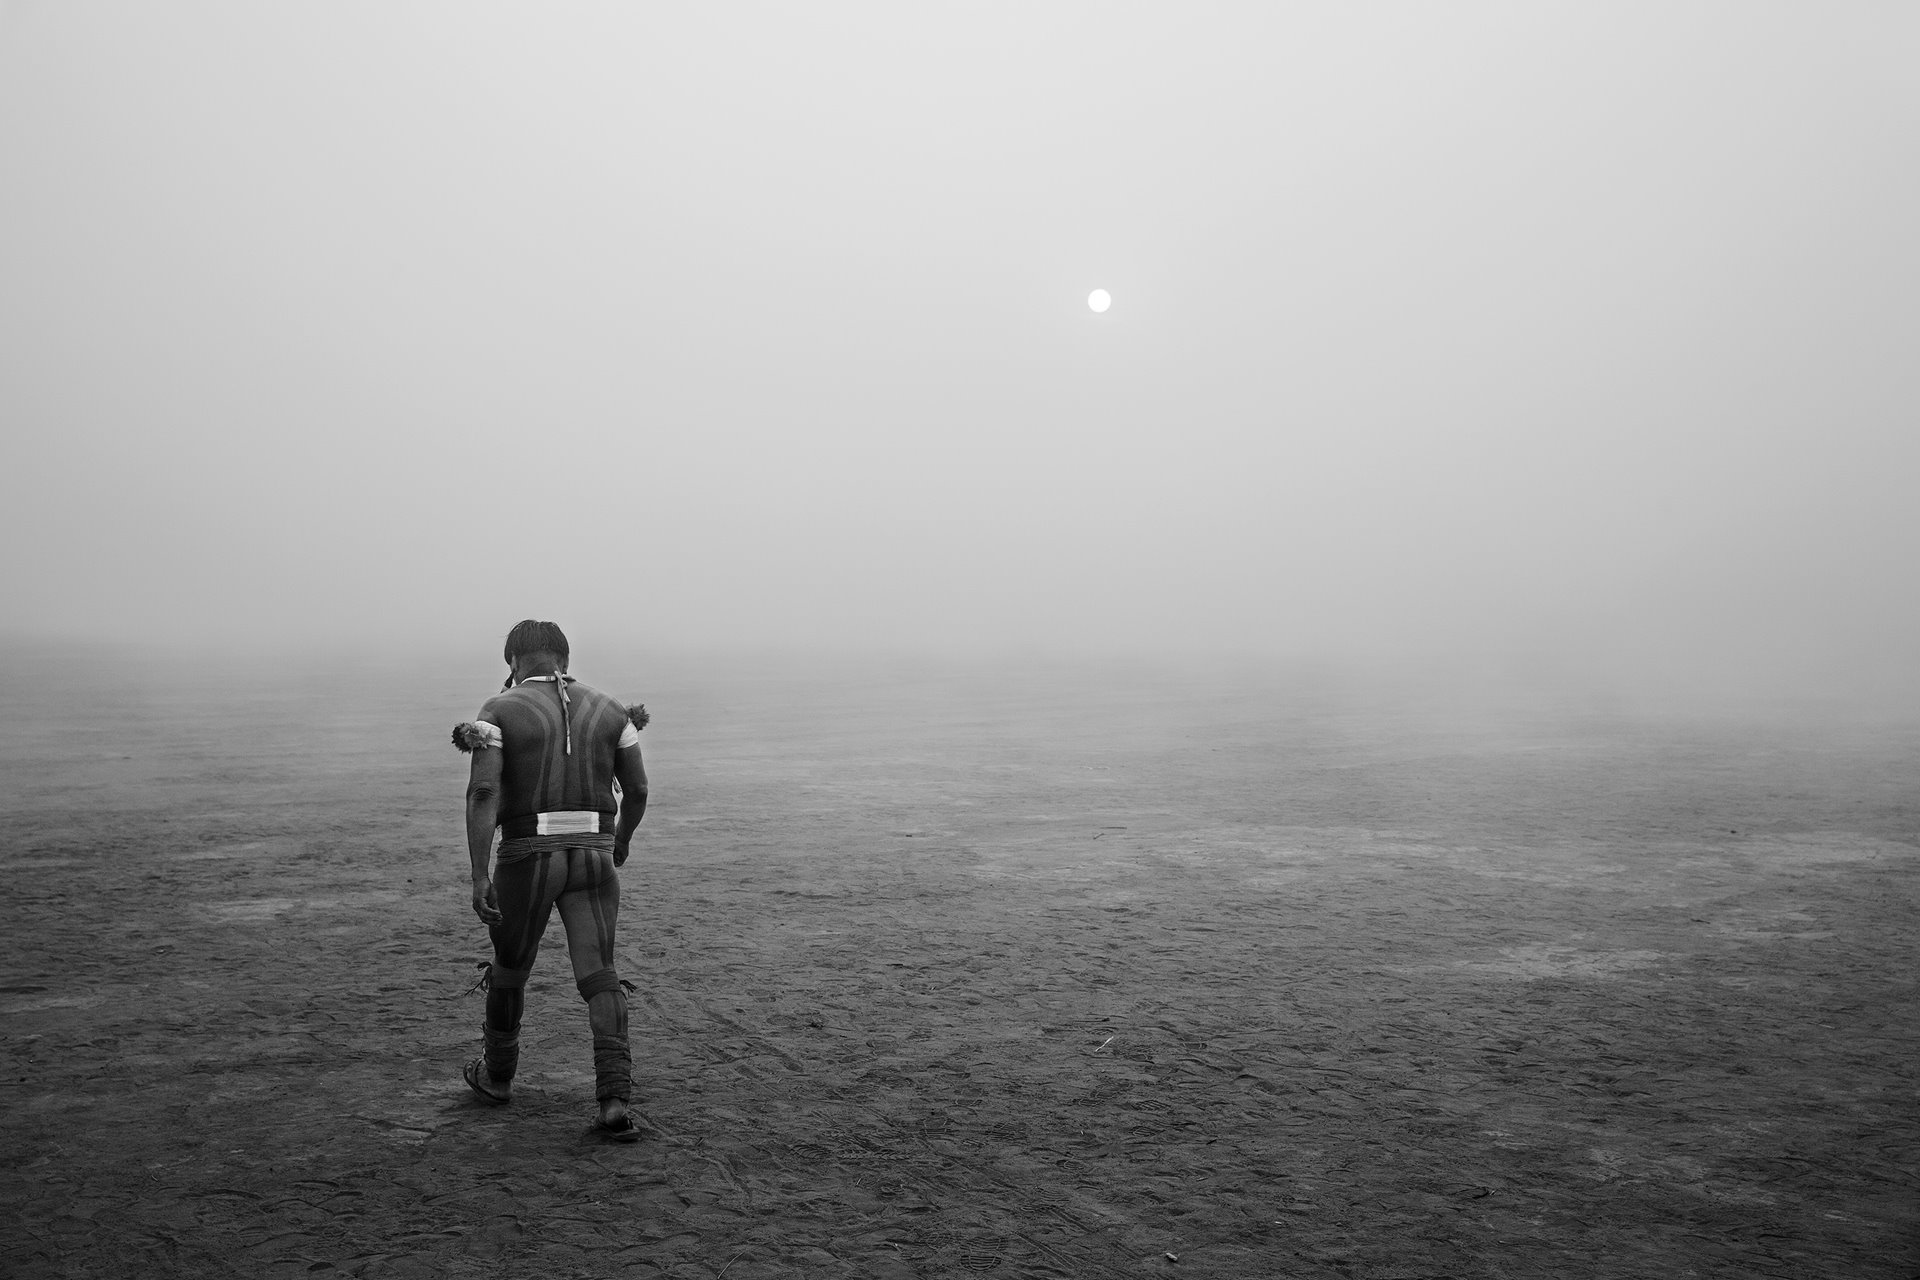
{"points": [[1038, 973]]}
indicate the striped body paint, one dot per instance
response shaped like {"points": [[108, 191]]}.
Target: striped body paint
{"points": [[560, 739]]}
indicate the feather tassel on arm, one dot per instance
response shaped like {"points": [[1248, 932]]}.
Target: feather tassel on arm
{"points": [[471, 735]]}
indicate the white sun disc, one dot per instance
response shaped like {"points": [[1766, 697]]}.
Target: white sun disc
{"points": [[1099, 299]]}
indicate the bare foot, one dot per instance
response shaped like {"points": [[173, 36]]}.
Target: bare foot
{"points": [[612, 1112]]}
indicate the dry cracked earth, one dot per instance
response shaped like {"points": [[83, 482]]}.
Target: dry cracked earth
{"points": [[1041, 973]]}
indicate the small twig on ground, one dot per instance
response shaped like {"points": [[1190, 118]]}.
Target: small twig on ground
{"points": [[1105, 1043], [730, 1261]]}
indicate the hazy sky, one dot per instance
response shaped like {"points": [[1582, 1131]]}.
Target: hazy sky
{"points": [[1511, 326]]}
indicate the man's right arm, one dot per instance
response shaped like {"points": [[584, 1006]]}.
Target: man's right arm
{"points": [[631, 772]]}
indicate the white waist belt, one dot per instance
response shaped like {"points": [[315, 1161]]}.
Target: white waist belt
{"points": [[567, 822]]}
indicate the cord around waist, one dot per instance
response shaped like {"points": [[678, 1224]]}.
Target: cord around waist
{"points": [[518, 848]]}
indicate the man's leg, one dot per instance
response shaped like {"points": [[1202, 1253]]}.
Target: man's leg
{"points": [[524, 891], [589, 909]]}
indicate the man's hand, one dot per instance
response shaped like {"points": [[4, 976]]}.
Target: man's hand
{"points": [[485, 905], [620, 850]]}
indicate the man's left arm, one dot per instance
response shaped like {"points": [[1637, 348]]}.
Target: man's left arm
{"points": [[483, 815]]}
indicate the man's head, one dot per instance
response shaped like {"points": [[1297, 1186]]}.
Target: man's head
{"points": [[533, 640]]}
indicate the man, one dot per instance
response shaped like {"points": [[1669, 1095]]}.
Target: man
{"points": [[547, 753]]}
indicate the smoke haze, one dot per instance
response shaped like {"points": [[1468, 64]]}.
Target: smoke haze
{"points": [[1578, 334]]}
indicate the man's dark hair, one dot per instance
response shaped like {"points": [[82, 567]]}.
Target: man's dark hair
{"points": [[536, 637]]}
